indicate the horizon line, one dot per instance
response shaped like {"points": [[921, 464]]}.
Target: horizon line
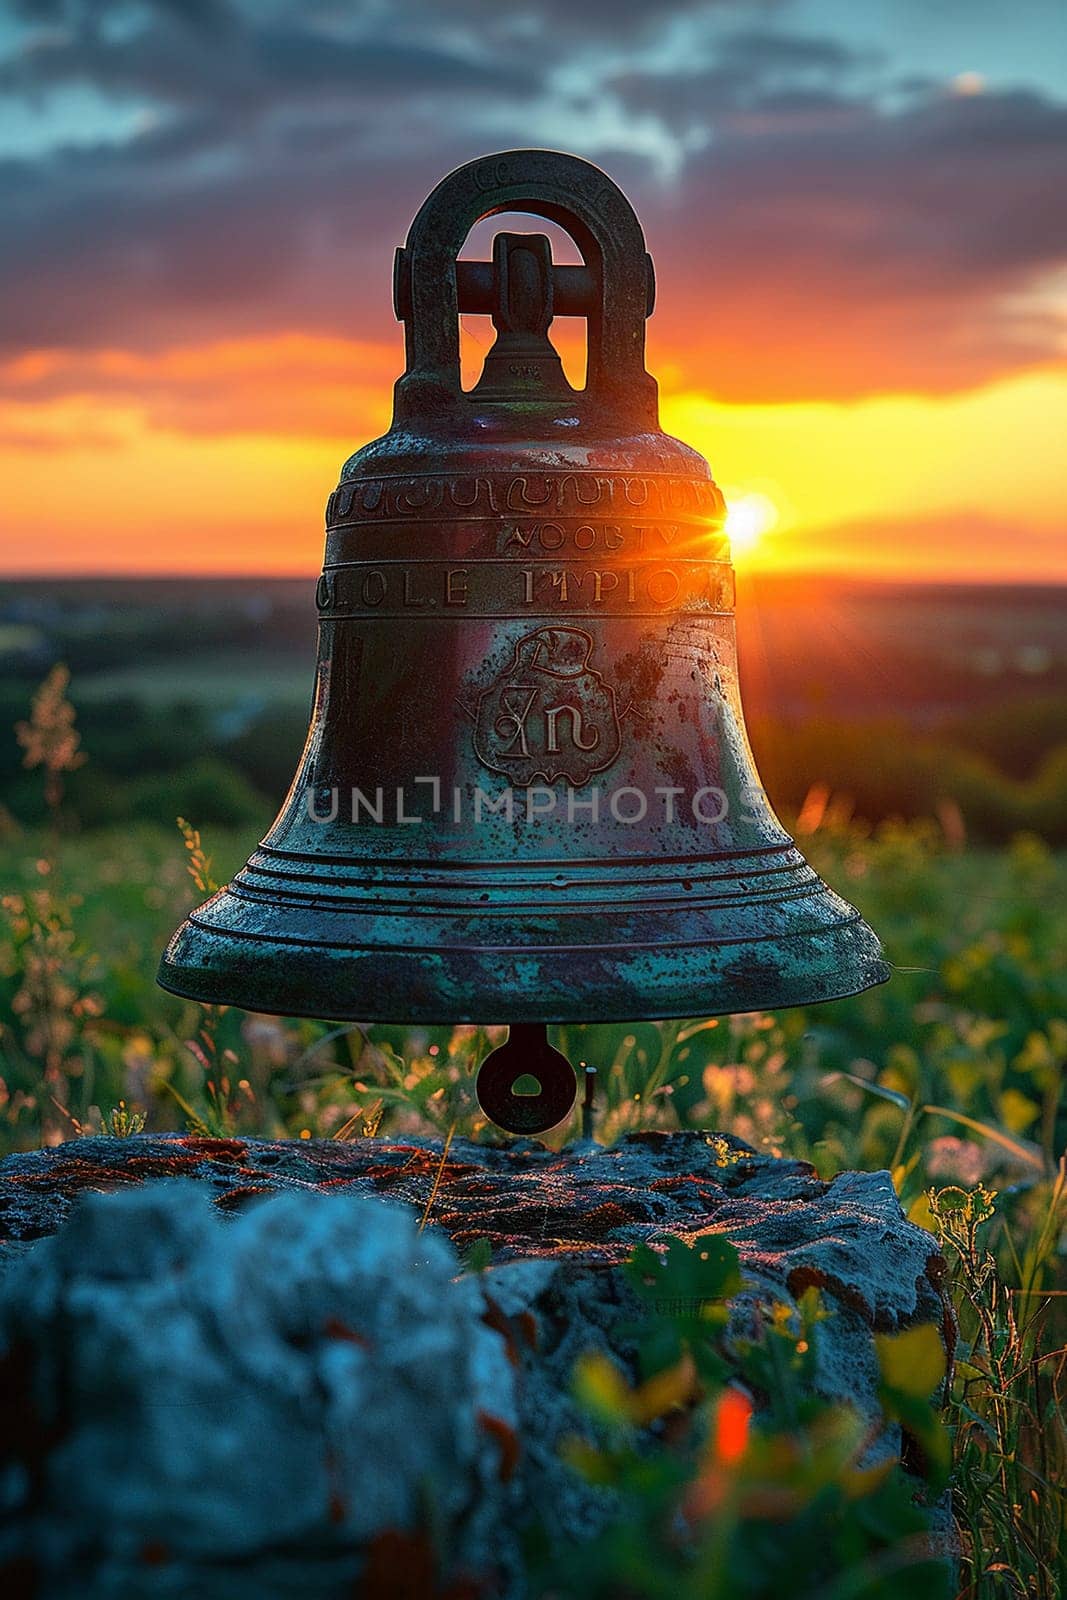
{"points": [[744, 572]]}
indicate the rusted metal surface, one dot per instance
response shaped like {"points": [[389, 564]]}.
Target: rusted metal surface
{"points": [[527, 593]]}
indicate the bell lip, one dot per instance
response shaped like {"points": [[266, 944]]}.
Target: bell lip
{"points": [[872, 975]]}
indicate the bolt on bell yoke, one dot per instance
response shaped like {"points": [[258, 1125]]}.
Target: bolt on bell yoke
{"points": [[527, 794]]}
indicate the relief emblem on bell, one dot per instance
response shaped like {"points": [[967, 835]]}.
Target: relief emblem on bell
{"points": [[549, 714]]}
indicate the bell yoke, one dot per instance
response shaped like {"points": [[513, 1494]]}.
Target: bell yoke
{"points": [[527, 794]]}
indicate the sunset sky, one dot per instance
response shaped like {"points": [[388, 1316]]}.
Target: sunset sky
{"points": [[858, 211]]}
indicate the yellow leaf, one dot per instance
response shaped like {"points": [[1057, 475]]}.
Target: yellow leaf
{"points": [[1017, 1111], [861, 1481], [665, 1391], [600, 1385], [585, 1459], [912, 1362]]}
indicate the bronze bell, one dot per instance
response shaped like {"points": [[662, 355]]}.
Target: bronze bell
{"points": [[527, 795]]}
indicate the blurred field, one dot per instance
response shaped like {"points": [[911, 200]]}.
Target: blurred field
{"points": [[241, 682]]}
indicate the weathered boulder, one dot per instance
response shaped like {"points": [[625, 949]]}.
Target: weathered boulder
{"points": [[294, 1382], [206, 1394]]}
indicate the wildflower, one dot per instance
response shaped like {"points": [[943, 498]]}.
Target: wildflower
{"points": [[50, 739]]}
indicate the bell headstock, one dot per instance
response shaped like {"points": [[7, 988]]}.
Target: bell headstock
{"points": [[613, 289]]}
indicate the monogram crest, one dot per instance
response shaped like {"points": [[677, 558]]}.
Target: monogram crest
{"points": [[549, 714]]}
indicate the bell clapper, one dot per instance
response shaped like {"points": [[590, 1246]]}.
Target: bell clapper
{"points": [[527, 1054]]}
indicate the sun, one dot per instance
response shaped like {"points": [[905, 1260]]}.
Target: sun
{"points": [[748, 518]]}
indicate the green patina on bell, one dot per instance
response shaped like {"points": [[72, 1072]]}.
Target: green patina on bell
{"points": [[527, 795]]}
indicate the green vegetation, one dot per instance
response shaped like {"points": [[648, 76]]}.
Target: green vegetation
{"points": [[729, 1510], [884, 767], [950, 1076]]}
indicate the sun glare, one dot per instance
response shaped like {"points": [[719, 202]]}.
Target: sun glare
{"points": [[748, 518]]}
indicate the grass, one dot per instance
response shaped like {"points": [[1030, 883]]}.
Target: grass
{"points": [[950, 1076]]}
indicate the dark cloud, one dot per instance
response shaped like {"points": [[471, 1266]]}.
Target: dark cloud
{"points": [[759, 53], [244, 203], [892, 255], [602, 20], [820, 238], [112, 252], [756, 74], [93, 15], [248, 65]]}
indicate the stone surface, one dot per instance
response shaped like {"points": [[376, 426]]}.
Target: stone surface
{"points": [[210, 1380], [211, 1394]]}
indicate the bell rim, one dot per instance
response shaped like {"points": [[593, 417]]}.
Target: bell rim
{"points": [[519, 1013], [861, 966]]}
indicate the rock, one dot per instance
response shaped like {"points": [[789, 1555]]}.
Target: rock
{"points": [[214, 1380], [216, 1393]]}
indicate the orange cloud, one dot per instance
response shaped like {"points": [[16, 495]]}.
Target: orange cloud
{"points": [[283, 383], [219, 457]]}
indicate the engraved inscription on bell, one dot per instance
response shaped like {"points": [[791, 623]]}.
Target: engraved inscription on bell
{"points": [[549, 714]]}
